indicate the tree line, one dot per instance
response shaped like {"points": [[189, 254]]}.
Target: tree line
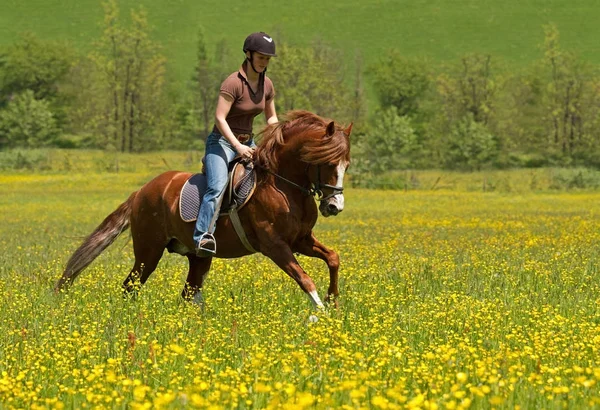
{"points": [[468, 114]]}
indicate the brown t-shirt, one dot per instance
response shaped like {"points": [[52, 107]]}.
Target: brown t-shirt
{"points": [[247, 104]]}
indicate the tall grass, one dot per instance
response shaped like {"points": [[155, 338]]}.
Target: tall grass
{"points": [[96, 161], [64, 161], [506, 181], [449, 299]]}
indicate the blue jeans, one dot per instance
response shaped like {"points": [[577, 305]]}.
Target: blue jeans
{"points": [[219, 153]]}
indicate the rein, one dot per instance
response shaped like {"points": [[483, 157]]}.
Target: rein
{"points": [[315, 190]]}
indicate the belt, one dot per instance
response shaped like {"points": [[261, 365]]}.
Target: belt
{"points": [[243, 137]]}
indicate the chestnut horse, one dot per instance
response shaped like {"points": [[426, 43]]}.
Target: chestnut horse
{"points": [[297, 159]]}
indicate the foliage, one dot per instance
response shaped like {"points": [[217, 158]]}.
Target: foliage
{"points": [[471, 113], [441, 30], [122, 99], [389, 144], [516, 119], [470, 145], [468, 89], [209, 72], [34, 64], [565, 100], [27, 122], [400, 82], [312, 78]]}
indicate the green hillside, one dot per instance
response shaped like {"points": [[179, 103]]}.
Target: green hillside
{"points": [[440, 29]]}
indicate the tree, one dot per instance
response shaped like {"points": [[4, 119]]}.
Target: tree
{"points": [[34, 64], [27, 122], [123, 98], [358, 101], [469, 88], [470, 145], [400, 82], [312, 78], [563, 95], [208, 75], [389, 144]]}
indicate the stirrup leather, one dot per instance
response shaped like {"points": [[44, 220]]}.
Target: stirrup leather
{"points": [[209, 245]]}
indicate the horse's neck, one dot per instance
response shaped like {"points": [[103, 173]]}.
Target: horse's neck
{"points": [[290, 174], [290, 167]]}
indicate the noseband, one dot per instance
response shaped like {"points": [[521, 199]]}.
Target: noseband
{"points": [[316, 189], [318, 192]]}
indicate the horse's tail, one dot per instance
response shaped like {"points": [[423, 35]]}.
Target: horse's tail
{"points": [[105, 234]]}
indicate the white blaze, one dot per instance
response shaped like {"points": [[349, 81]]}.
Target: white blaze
{"points": [[338, 200]]}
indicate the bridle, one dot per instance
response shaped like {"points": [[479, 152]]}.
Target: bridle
{"points": [[316, 190]]}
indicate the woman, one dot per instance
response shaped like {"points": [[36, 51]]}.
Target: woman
{"points": [[243, 95]]}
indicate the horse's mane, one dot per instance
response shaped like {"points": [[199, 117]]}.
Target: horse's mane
{"points": [[316, 147]]}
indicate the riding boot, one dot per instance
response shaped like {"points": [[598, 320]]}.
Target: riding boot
{"points": [[206, 245]]}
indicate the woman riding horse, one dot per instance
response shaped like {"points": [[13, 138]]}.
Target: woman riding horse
{"points": [[297, 159]]}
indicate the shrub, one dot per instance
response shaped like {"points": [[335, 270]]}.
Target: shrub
{"points": [[389, 144], [470, 145], [27, 122]]}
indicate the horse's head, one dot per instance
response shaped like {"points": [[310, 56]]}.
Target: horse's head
{"points": [[328, 178], [306, 146], [328, 182]]}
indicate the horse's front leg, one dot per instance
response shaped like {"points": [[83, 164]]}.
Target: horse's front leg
{"points": [[282, 255], [310, 246]]}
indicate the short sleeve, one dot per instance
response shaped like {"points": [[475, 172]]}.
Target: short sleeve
{"points": [[232, 87]]}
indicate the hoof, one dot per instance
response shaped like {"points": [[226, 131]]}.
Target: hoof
{"points": [[332, 300], [198, 299]]}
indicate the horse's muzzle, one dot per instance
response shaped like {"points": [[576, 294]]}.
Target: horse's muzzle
{"points": [[329, 208]]}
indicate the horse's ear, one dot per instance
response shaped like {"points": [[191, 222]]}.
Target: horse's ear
{"points": [[330, 129], [349, 129]]}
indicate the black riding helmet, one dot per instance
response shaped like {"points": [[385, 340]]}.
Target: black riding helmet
{"points": [[260, 42]]}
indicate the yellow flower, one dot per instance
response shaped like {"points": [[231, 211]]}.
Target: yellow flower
{"points": [[380, 402], [139, 392], [466, 403], [176, 349], [111, 377], [262, 388], [496, 400], [163, 399], [416, 401], [305, 399]]}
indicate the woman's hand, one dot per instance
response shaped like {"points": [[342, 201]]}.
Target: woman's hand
{"points": [[245, 152]]}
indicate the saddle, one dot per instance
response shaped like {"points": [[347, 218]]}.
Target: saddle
{"points": [[241, 185]]}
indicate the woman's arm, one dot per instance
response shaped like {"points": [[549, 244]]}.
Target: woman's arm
{"points": [[224, 104], [270, 113]]}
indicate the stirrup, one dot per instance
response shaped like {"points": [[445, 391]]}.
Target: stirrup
{"points": [[206, 245]]}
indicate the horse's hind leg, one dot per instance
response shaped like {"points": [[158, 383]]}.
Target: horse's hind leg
{"points": [[147, 255], [199, 267], [310, 246]]}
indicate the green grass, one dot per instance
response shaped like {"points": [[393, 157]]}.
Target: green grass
{"points": [[66, 161], [440, 29], [96, 161], [449, 298]]}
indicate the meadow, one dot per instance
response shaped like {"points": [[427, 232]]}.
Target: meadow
{"points": [[450, 298], [442, 30]]}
